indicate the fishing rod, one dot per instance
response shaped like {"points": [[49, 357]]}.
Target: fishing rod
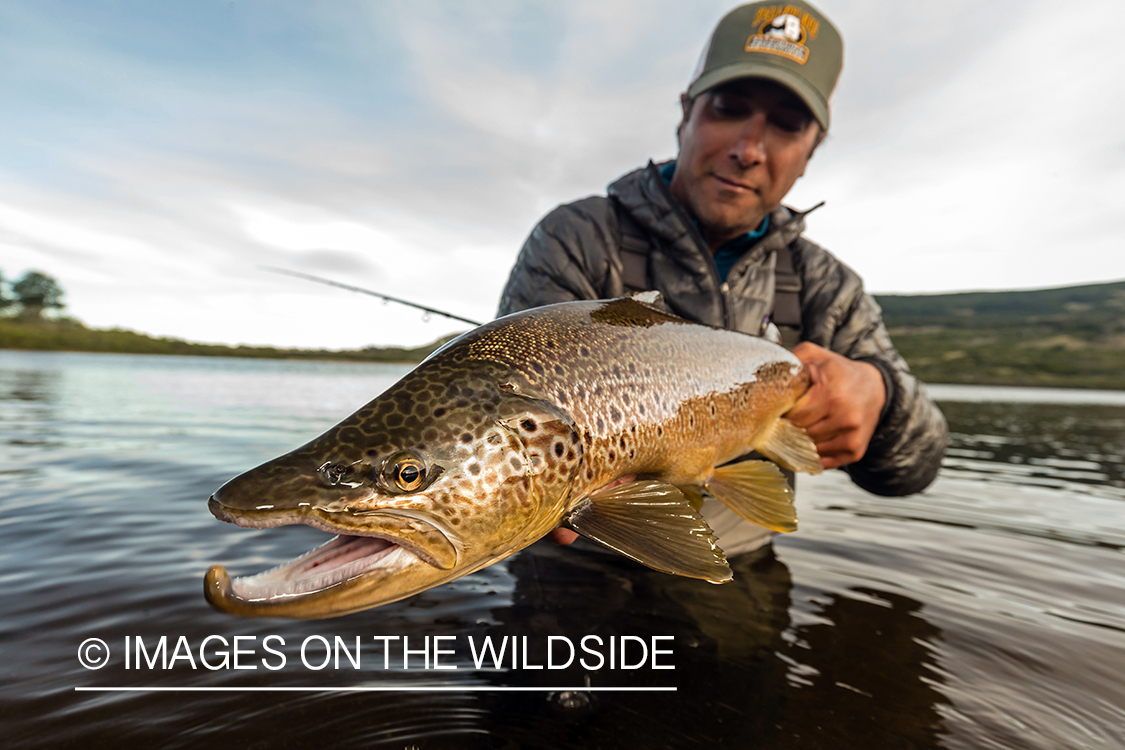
{"points": [[361, 290]]}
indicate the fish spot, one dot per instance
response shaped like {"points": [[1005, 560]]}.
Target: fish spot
{"points": [[516, 463], [589, 473], [538, 368], [584, 351], [529, 425], [570, 455], [562, 399], [601, 425], [617, 371], [393, 420], [462, 403], [659, 430], [455, 521], [614, 414], [439, 412], [626, 399], [466, 437], [622, 442], [559, 449], [632, 369], [612, 456], [474, 469]]}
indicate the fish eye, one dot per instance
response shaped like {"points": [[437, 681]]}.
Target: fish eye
{"points": [[406, 472]]}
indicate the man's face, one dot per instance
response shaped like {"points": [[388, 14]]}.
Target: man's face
{"points": [[742, 146]]}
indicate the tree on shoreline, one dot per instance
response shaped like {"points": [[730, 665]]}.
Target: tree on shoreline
{"points": [[33, 295]]}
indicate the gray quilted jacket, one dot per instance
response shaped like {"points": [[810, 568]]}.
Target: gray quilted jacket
{"points": [[575, 253]]}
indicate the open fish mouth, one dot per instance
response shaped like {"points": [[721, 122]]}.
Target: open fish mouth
{"points": [[350, 555], [339, 560]]}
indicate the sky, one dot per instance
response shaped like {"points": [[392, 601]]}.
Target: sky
{"points": [[154, 155]]}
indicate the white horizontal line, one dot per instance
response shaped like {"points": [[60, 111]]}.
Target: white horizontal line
{"points": [[411, 689]]}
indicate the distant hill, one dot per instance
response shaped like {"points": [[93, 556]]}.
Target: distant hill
{"points": [[1068, 336]]}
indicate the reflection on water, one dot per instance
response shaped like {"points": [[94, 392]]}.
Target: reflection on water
{"points": [[985, 612]]}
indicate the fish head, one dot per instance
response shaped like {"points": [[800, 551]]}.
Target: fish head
{"points": [[440, 476]]}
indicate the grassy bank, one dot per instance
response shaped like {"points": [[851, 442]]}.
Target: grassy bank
{"points": [[70, 335], [1069, 337]]}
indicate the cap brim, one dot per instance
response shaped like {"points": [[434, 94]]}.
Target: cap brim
{"points": [[748, 69]]}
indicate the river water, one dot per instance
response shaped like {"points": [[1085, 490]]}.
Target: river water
{"points": [[986, 612]]}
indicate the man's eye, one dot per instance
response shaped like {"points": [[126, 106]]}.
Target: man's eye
{"points": [[728, 106], [788, 123]]}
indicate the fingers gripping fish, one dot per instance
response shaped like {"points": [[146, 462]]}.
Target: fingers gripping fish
{"points": [[614, 417]]}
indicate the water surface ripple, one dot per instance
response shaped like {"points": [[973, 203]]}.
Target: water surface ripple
{"points": [[986, 612]]}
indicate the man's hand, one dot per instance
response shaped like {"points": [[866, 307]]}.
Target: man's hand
{"points": [[841, 409], [563, 537]]}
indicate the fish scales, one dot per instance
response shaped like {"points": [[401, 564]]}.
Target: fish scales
{"points": [[502, 435], [641, 385]]}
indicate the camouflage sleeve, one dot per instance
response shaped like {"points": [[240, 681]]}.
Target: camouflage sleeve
{"points": [[567, 257], [906, 450]]}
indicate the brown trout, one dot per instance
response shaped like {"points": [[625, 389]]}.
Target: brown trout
{"points": [[614, 417]]}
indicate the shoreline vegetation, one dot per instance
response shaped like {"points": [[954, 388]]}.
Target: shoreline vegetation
{"points": [[1070, 337]]}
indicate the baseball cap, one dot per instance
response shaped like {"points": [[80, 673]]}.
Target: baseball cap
{"points": [[794, 45]]}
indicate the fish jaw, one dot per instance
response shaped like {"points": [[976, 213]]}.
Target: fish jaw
{"points": [[345, 575], [375, 559]]}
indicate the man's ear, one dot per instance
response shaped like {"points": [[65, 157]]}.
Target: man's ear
{"points": [[821, 134], [685, 106]]}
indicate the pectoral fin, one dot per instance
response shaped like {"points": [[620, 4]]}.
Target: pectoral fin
{"points": [[653, 523], [757, 491], [790, 446]]}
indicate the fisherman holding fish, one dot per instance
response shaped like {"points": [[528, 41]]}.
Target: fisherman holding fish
{"points": [[595, 405], [709, 232]]}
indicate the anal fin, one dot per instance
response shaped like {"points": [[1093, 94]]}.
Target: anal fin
{"points": [[653, 523], [791, 447], [757, 491]]}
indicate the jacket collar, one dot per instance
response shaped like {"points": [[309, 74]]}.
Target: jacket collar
{"points": [[648, 200]]}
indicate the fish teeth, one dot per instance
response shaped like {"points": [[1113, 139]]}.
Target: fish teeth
{"points": [[337, 560]]}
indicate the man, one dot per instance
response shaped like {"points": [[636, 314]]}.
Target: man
{"points": [[709, 232]]}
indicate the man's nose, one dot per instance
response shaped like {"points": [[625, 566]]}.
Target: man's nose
{"points": [[750, 148]]}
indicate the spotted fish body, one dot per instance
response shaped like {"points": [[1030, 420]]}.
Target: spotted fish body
{"points": [[515, 428]]}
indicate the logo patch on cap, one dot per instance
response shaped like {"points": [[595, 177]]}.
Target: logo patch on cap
{"points": [[783, 30]]}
